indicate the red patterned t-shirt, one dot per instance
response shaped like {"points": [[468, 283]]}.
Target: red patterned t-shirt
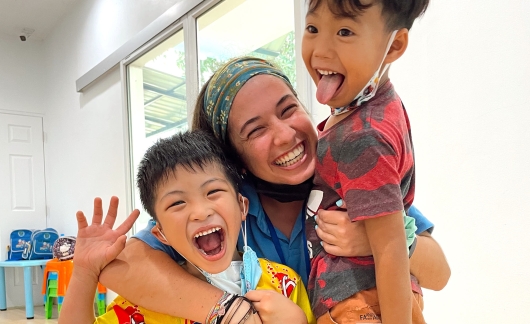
{"points": [[367, 160]]}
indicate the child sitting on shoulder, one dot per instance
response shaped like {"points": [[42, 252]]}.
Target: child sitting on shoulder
{"points": [[365, 158], [191, 190]]}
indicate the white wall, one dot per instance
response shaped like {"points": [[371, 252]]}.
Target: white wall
{"points": [[465, 81], [21, 76], [85, 151]]}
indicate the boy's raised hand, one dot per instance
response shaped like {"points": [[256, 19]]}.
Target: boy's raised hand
{"points": [[98, 244]]}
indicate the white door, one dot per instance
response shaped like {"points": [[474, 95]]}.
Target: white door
{"points": [[22, 190]]}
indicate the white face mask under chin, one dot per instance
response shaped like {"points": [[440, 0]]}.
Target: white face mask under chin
{"points": [[228, 280]]}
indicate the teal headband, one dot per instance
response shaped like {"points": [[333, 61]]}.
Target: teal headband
{"points": [[226, 83]]}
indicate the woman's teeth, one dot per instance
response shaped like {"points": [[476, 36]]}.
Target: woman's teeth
{"points": [[291, 158], [210, 231]]}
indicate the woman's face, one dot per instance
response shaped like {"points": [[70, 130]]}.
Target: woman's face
{"points": [[272, 132]]}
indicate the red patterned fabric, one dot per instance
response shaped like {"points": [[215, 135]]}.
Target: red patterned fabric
{"points": [[367, 160]]}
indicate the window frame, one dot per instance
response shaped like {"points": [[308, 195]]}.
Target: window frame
{"points": [[187, 22]]}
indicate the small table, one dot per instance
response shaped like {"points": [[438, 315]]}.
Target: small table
{"points": [[28, 291]]}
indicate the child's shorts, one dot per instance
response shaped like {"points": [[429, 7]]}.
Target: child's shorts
{"points": [[363, 307]]}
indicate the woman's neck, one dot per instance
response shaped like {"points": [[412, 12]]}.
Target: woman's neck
{"points": [[282, 215]]}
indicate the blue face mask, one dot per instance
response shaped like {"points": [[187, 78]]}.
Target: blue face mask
{"points": [[251, 270]]}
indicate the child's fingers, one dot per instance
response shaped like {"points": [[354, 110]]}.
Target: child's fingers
{"points": [[113, 211], [81, 220], [98, 211], [128, 222], [115, 249]]}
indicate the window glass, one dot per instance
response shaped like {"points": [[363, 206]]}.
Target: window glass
{"points": [[247, 27], [157, 102]]}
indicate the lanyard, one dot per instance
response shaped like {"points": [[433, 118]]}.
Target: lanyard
{"points": [[278, 248], [275, 240]]}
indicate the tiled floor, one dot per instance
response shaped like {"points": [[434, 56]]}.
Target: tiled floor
{"points": [[18, 316]]}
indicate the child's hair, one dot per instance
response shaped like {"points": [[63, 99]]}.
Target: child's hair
{"points": [[398, 13], [191, 150]]}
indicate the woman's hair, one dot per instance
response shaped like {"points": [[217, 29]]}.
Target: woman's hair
{"points": [[201, 122], [191, 150]]}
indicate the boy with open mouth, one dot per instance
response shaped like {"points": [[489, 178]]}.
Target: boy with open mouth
{"points": [[191, 190]]}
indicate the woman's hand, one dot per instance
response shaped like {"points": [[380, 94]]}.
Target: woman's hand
{"points": [[340, 236], [274, 307], [97, 244]]}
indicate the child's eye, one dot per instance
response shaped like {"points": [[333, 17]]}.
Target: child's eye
{"points": [[177, 203], [345, 32], [311, 29], [211, 192]]}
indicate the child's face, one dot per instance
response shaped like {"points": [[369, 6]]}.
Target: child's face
{"points": [[351, 48], [200, 214]]}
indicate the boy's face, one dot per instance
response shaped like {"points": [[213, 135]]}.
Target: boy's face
{"points": [[200, 215], [343, 53]]}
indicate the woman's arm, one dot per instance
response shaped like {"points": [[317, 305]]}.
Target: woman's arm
{"points": [[428, 263], [152, 279], [341, 237]]}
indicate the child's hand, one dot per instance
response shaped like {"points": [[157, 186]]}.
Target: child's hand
{"points": [[97, 245], [274, 307]]}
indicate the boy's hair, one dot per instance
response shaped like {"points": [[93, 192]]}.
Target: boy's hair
{"points": [[398, 13], [191, 150]]}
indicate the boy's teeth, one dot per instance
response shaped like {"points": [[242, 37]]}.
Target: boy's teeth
{"points": [[210, 231], [325, 72]]}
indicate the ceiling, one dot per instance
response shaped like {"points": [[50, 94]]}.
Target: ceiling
{"points": [[39, 15]]}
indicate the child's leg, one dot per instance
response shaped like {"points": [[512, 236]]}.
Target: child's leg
{"points": [[363, 307]]}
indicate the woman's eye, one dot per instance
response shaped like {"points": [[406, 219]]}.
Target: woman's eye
{"points": [[345, 32], [255, 131], [312, 29], [288, 109]]}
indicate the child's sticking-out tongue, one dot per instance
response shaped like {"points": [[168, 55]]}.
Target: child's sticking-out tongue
{"points": [[327, 86], [209, 242]]}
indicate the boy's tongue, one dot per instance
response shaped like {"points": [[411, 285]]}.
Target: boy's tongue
{"points": [[209, 242], [327, 86]]}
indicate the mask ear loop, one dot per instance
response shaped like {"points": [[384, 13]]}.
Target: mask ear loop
{"points": [[392, 37], [244, 230]]}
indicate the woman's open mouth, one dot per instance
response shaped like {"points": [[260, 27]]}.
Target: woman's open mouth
{"points": [[211, 243], [291, 157]]}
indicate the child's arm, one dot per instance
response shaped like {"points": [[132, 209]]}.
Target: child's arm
{"points": [[96, 246], [387, 241]]}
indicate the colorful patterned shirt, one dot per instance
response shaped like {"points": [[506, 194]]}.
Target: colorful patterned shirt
{"points": [[275, 276], [367, 160]]}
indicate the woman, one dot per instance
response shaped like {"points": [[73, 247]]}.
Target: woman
{"points": [[251, 107]]}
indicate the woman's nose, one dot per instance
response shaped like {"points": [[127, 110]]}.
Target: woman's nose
{"points": [[283, 133]]}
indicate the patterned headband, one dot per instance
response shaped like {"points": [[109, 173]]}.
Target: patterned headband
{"points": [[226, 83]]}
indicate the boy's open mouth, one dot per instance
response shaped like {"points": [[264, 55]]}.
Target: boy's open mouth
{"points": [[210, 242], [328, 85]]}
